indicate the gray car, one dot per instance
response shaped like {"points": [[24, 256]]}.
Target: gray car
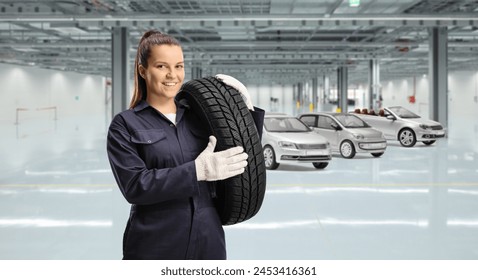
{"points": [[347, 133], [398, 123], [287, 139]]}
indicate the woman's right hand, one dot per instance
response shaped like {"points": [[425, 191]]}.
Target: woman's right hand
{"points": [[214, 166]]}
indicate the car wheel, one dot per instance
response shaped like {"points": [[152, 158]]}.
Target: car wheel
{"points": [[407, 137], [320, 165], [347, 149], [270, 158], [223, 111], [428, 143], [377, 154]]}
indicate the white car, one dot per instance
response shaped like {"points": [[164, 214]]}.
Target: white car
{"points": [[287, 139], [346, 133], [398, 123]]}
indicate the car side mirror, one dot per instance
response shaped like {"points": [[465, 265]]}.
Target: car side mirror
{"points": [[335, 126], [391, 117]]}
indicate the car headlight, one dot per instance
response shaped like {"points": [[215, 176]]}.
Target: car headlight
{"points": [[358, 136], [287, 145], [424, 126]]}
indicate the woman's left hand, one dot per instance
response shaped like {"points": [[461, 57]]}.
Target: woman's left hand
{"points": [[240, 87]]}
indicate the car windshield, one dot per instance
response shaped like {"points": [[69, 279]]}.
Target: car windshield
{"points": [[403, 113], [285, 125], [351, 121]]}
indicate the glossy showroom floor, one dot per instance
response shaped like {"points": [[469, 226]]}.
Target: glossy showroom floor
{"points": [[58, 200]]}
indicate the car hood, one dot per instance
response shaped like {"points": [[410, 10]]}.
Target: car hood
{"points": [[422, 121], [302, 138], [367, 132]]}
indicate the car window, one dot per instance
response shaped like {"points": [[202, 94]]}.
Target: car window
{"points": [[403, 113], [325, 122], [284, 125], [351, 121], [308, 120]]}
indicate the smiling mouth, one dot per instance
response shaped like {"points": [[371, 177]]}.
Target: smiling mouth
{"points": [[170, 84]]}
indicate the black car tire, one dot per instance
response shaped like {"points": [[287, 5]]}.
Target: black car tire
{"points": [[320, 165], [377, 154], [224, 111], [407, 138]]}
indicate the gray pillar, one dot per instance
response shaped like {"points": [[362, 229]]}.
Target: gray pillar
{"points": [[374, 84], [196, 72], [315, 96], [326, 89], [300, 96], [438, 75], [120, 69], [342, 88]]}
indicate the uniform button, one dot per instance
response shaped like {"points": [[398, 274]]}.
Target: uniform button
{"points": [[149, 141], [171, 125]]}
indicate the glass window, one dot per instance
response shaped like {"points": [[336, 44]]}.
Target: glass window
{"points": [[403, 113], [285, 125], [351, 121], [325, 122], [309, 120]]}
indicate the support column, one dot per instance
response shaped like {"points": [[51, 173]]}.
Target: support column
{"points": [[438, 75], [120, 69], [300, 97], [342, 80], [326, 93], [315, 95], [374, 84], [196, 72]]}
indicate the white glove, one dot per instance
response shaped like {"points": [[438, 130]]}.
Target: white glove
{"points": [[240, 87], [211, 166]]}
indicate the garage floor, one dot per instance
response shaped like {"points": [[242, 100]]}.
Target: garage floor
{"points": [[58, 200]]}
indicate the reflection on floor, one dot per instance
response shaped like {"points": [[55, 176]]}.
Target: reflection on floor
{"points": [[58, 200]]}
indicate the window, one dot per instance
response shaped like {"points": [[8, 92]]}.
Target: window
{"points": [[309, 120], [325, 122]]}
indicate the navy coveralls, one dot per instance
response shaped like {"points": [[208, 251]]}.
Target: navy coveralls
{"points": [[172, 214]]}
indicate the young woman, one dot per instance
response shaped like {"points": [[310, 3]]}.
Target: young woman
{"points": [[162, 161]]}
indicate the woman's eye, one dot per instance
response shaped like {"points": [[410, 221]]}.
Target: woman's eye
{"points": [[180, 66]]}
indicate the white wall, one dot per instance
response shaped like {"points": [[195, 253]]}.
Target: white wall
{"points": [[397, 92], [32, 88], [261, 97]]}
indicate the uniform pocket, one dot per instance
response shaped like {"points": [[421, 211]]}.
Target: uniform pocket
{"points": [[153, 147], [149, 136]]}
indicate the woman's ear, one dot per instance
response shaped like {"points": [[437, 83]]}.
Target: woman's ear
{"points": [[142, 71]]}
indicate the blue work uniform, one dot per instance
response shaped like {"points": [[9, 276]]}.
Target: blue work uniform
{"points": [[172, 214]]}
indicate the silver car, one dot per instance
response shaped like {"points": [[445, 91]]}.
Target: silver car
{"points": [[346, 133], [286, 138], [398, 123]]}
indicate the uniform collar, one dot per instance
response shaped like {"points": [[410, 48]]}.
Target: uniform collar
{"points": [[141, 106], [180, 104]]}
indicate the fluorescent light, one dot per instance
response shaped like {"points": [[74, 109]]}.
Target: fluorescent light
{"points": [[354, 3]]}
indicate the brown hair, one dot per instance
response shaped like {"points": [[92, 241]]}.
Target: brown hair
{"points": [[150, 38]]}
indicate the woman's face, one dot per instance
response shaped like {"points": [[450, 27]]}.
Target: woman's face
{"points": [[165, 73]]}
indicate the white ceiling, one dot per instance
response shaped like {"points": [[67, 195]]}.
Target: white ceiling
{"points": [[264, 41]]}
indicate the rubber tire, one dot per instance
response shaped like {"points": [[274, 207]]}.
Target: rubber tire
{"points": [[222, 108], [377, 154], [409, 133], [268, 150], [352, 149], [320, 165], [428, 143]]}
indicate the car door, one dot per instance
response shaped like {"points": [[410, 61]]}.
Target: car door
{"points": [[388, 126], [325, 128]]}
